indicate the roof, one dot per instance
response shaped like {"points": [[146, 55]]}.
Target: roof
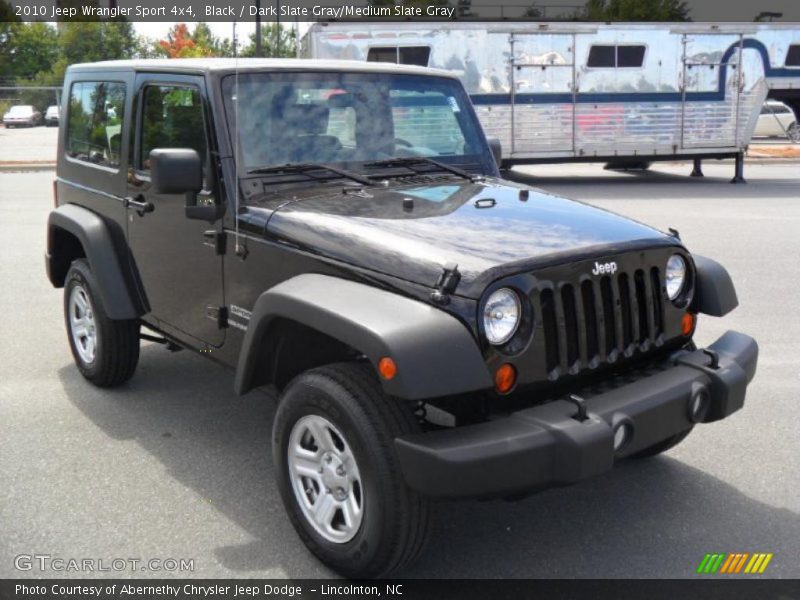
{"points": [[423, 28], [205, 65]]}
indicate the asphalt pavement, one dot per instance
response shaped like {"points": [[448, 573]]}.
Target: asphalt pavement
{"points": [[28, 145], [174, 465]]}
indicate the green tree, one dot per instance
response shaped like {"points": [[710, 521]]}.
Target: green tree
{"points": [[27, 48], [285, 46], [197, 43], [7, 21], [533, 12], [97, 40], [205, 38], [88, 42], [636, 10]]}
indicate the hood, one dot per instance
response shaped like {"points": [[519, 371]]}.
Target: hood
{"points": [[486, 228]]}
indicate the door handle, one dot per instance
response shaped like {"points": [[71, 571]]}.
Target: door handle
{"points": [[139, 204]]}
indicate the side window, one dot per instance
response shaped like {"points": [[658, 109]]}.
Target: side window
{"points": [[382, 55], [793, 56], [415, 55], [94, 125], [623, 56], [404, 55], [172, 117], [601, 56], [630, 56], [774, 109]]}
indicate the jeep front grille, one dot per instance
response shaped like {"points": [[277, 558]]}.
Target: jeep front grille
{"points": [[600, 320]]}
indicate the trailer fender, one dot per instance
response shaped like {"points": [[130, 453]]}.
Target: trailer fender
{"points": [[116, 286], [435, 353]]}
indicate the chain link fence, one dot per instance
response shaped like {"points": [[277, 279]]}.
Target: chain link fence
{"points": [[14, 90]]}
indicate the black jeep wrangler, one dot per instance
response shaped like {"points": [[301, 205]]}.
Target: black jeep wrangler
{"points": [[340, 231]]}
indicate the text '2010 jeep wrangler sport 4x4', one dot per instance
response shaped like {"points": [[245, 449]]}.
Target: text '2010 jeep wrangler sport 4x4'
{"points": [[340, 230]]}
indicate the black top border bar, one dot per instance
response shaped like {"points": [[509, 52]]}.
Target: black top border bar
{"points": [[738, 11]]}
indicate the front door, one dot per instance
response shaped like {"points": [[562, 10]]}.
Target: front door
{"points": [[180, 271]]}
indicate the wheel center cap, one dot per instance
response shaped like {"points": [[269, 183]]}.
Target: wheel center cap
{"points": [[334, 472]]}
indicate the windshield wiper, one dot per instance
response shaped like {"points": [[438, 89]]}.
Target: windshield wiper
{"points": [[415, 160], [305, 167]]}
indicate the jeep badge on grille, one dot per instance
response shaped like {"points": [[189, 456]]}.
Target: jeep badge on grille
{"points": [[608, 268]]}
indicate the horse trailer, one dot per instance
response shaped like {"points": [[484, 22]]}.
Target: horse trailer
{"points": [[624, 93]]}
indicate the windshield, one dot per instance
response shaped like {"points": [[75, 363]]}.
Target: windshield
{"points": [[21, 111], [350, 119]]}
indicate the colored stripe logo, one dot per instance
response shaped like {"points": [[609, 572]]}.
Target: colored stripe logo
{"points": [[734, 563]]}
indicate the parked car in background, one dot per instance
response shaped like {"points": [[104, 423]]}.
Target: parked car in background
{"points": [[51, 115], [777, 120], [22, 115]]}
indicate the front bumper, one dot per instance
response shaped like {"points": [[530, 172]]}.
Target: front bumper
{"points": [[548, 446]]}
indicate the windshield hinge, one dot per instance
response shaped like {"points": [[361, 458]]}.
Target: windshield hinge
{"points": [[446, 285], [216, 240]]}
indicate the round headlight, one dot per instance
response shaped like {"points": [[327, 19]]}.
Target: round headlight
{"points": [[675, 276], [501, 316]]}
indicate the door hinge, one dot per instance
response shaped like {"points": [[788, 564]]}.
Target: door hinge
{"points": [[216, 240], [218, 314]]}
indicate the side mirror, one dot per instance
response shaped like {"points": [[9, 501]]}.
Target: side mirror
{"points": [[180, 171], [497, 150]]}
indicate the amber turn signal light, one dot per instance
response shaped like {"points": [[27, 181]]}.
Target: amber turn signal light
{"points": [[387, 368], [504, 378], [687, 323]]}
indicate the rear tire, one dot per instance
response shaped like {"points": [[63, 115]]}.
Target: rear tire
{"points": [[793, 133], [106, 351], [344, 406], [664, 445]]}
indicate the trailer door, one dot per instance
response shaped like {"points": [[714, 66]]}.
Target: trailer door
{"points": [[542, 93], [710, 88]]}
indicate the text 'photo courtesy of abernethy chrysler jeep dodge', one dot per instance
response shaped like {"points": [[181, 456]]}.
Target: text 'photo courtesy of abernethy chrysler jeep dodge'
{"points": [[339, 230]]}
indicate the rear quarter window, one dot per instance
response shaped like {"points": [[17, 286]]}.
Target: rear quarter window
{"points": [[793, 56], [94, 122]]}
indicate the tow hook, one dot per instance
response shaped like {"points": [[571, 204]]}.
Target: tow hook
{"points": [[712, 354], [581, 415]]}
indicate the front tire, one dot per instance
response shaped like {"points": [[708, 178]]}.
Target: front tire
{"points": [[338, 472], [106, 351]]}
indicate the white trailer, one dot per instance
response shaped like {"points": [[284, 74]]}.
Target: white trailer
{"points": [[625, 92]]}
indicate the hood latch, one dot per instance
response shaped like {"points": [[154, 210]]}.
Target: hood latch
{"points": [[446, 285]]}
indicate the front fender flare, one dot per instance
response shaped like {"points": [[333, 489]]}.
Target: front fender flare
{"points": [[114, 275], [715, 294], [435, 353]]}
